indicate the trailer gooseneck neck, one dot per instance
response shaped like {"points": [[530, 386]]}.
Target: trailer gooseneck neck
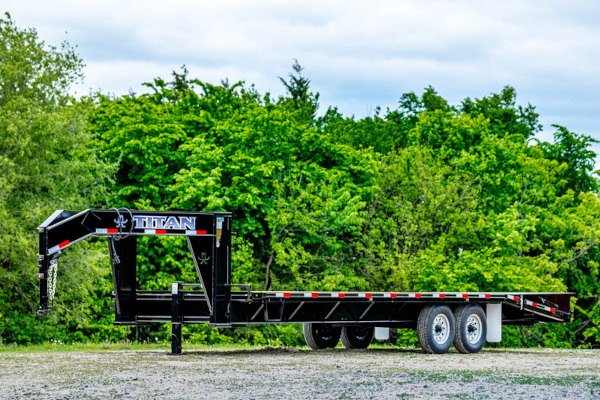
{"points": [[441, 318]]}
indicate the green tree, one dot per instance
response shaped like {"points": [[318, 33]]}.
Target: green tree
{"points": [[47, 162], [573, 150], [505, 116], [300, 99]]}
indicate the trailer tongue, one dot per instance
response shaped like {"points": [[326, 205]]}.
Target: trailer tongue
{"points": [[465, 319]]}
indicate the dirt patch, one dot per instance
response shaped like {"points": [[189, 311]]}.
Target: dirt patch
{"points": [[293, 373]]}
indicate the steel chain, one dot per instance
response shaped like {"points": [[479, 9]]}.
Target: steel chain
{"points": [[52, 272]]}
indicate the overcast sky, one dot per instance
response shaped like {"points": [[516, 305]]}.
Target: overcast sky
{"points": [[357, 54]]}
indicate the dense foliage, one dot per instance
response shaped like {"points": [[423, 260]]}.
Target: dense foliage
{"points": [[48, 161], [428, 196]]}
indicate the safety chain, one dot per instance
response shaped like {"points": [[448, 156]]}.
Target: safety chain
{"points": [[120, 221], [52, 272]]}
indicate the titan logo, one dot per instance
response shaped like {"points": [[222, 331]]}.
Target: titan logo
{"points": [[149, 222], [121, 221]]}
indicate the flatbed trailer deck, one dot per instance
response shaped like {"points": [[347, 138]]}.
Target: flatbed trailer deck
{"points": [[465, 319]]}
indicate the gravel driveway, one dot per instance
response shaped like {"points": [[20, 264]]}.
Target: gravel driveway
{"points": [[292, 374]]}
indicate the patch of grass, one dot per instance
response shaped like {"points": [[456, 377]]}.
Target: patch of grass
{"points": [[559, 381], [466, 376], [463, 396], [120, 346]]}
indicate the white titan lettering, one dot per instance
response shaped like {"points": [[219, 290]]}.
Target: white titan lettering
{"points": [[149, 222]]}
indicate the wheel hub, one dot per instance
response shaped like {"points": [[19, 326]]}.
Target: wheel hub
{"points": [[473, 331], [441, 329]]}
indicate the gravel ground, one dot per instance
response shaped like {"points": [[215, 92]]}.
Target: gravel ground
{"points": [[293, 373]]}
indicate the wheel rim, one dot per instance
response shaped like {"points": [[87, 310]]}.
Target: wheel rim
{"points": [[324, 333], [473, 330], [441, 329], [361, 333]]}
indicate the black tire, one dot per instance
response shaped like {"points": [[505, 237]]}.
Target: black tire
{"points": [[357, 337], [471, 328], [435, 329], [321, 336]]}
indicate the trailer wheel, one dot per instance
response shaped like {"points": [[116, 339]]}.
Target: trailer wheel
{"points": [[357, 337], [471, 328], [435, 329], [321, 336]]}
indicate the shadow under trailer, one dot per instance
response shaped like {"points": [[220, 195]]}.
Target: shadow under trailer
{"points": [[465, 319]]}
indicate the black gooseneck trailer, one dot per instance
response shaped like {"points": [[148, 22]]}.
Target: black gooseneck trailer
{"points": [[465, 319]]}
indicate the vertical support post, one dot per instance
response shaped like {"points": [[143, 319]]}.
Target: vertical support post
{"points": [[222, 271], [43, 261], [175, 319], [124, 265]]}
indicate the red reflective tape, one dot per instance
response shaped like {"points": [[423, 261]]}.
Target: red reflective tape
{"points": [[341, 294], [553, 310], [515, 298], [63, 244], [393, 295], [287, 294], [418, 295], [465, 295], [367, 294], [161, 232], [200, 232], [314, 295], [112, 230], [442, 295], [487, 296], [533, 304]]}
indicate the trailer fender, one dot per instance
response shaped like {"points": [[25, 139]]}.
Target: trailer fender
{"points": [[382, 333], [494, 322]]}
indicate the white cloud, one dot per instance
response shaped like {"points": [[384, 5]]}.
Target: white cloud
{"points": [[357, 54]]}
